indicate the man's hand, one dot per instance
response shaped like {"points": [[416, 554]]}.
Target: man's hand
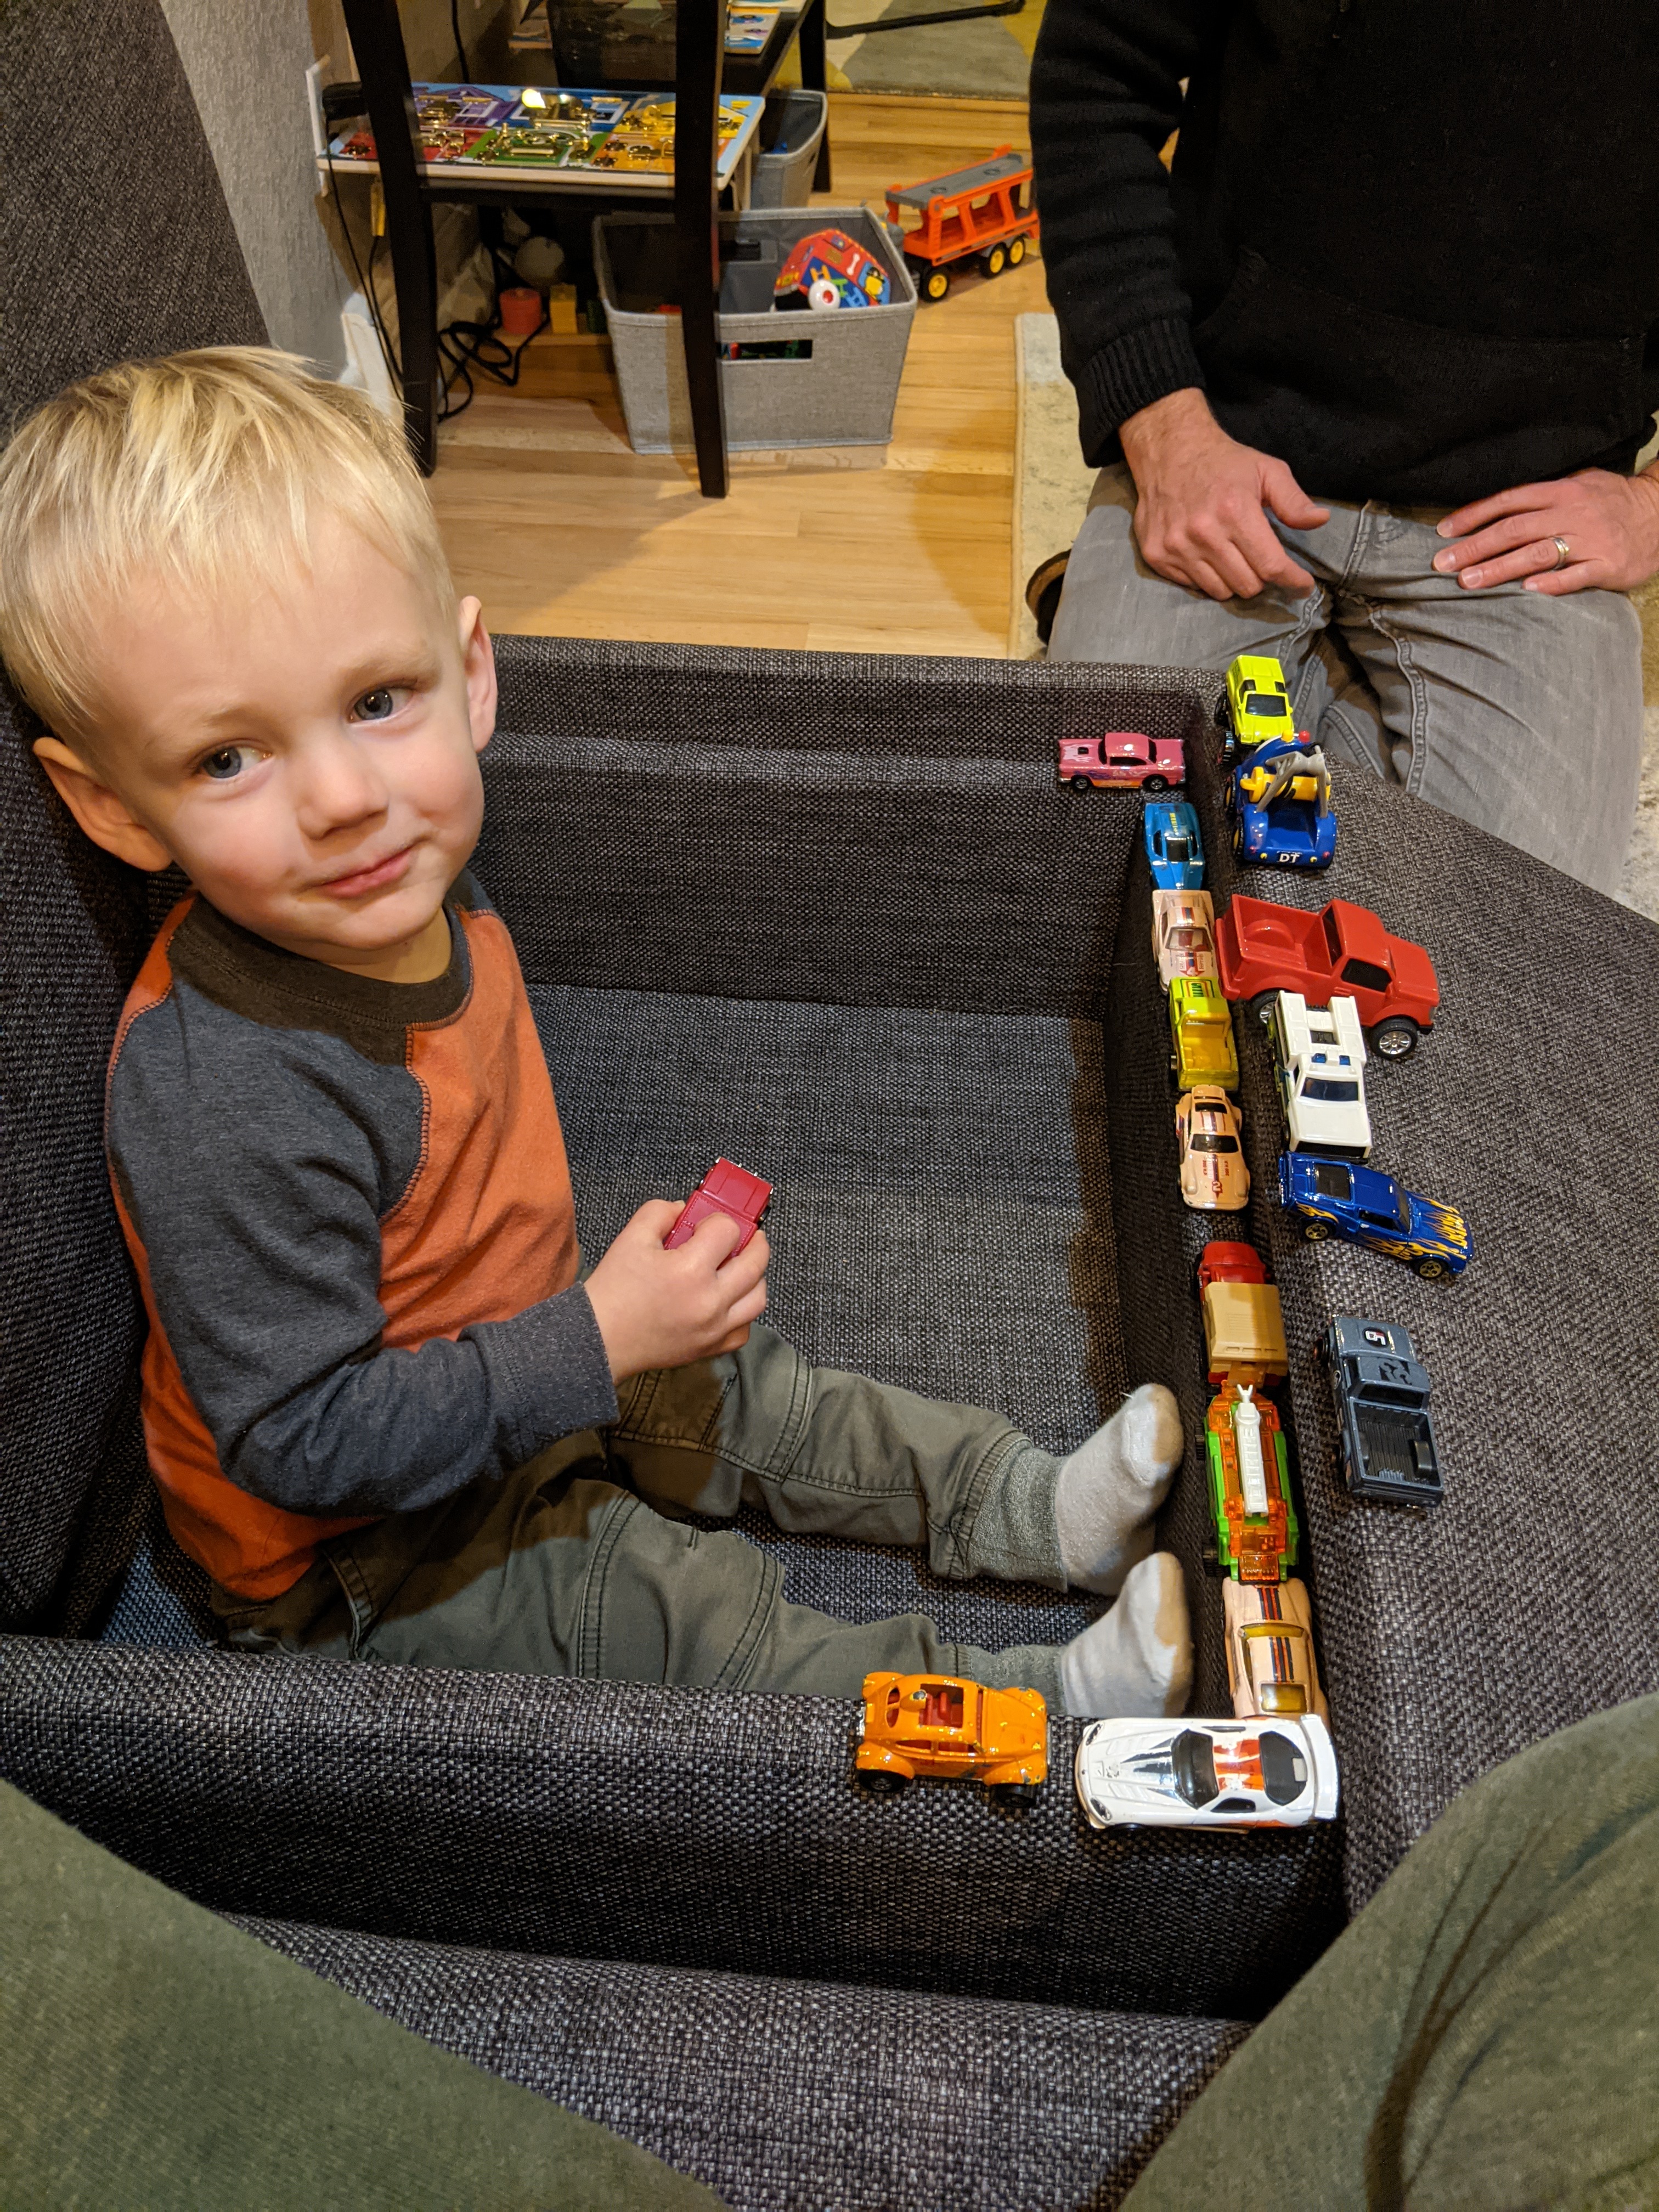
{"points": [[1610, 523], [658, 1309], [1199, 518]]}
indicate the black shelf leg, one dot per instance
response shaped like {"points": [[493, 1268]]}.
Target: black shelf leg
{"points": [[700, 38], [377, 44], [814, 76]]}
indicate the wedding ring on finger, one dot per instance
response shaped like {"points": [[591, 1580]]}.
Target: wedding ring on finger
{"points": [[1562, 551]]}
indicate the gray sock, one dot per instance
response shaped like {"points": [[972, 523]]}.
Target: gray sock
{"points": [[1109, 1489], [1138, 1658]]}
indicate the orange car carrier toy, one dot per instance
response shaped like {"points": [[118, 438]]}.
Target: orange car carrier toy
{"points": [[940, 1725], [982, 214]]}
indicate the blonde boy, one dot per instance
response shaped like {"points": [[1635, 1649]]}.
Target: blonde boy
{"points": [[385, 1415]]}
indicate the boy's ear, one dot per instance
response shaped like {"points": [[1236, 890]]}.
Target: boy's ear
{"points": [[101, 811], [478, 666]]}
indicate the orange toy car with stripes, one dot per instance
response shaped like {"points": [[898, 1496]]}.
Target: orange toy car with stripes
{"points": [[1271, 1668], [956, 1730]]}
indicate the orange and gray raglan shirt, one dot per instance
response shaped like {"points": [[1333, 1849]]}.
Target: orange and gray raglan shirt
{"points": [[350, 1211]]}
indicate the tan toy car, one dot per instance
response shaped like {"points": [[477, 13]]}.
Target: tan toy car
{"points": [[941, 1725], [1270, 1668], [1244, 1333], [1209, 1132], [1183, 934]]}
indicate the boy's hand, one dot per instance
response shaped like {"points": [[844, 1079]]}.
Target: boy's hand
{"points": [[658, 1309]]}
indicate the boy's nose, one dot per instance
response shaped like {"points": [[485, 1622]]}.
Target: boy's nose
{"points": [[340, 787]]}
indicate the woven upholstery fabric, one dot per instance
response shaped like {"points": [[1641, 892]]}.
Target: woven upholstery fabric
{"points": [[783, 2094], [673, 1827], [117, 240]]}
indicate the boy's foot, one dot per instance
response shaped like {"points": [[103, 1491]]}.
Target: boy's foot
{"points": [[1110, 1488], [1138, 1658]]}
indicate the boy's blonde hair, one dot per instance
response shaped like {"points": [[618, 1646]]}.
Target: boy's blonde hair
{"points": [[185, 472]]}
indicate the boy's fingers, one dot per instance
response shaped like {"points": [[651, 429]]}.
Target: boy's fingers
{"points": [[657, 1217], [714, 1238]]}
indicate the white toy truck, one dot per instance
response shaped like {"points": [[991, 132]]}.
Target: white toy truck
{"points": [[1321, 1083]]}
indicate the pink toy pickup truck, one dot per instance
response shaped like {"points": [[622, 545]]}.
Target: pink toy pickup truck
{"points": [[1126, 756]]}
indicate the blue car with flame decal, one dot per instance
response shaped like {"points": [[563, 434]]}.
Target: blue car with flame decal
{"points": [[1338, 1198]]}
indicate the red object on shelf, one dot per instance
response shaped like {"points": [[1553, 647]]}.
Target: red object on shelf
{"points": [[726, 1189], [521, 312]]}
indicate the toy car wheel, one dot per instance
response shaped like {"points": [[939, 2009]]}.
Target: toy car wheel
{"points": [[1432, 1270], [994, 260], [1396, 1038], [1262, 1007], [1155, 783], [1080, 783], [1013, 1794], [878, 1783], [935, 284], [1315, 1231], [1016, 252]]}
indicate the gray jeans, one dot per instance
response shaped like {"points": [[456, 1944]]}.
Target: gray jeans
{"points": [[1519, 712]]}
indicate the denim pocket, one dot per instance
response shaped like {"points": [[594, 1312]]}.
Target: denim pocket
{"points": [[1377, 405]]}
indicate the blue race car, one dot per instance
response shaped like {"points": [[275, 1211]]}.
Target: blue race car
{"points": [[1280, 799], [1174, 846], [1337, 1198]]}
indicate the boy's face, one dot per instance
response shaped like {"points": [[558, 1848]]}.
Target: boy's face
{"points": [[305, 748]]}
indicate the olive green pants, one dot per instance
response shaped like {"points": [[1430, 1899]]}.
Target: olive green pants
{"points": [[584, 1560]]}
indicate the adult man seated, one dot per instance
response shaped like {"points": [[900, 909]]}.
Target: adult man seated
{"points": [[1367, 374]]}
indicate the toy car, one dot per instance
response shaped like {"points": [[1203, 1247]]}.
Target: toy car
{"points": [[1337, 1198], [1201, 1034], [1256, 705], [726, 1189], [1280, 801], [1221, 1262], [1174, 846], [1214, 1177], [1381, 1392], [1207, 1773], [1261, 948], [1321, 1083], [1122, 757], [941, 1725], [828, 269], [1271, 1668], [983, 213], [1244, 1325], [1255, 1525], [1183, 934]]}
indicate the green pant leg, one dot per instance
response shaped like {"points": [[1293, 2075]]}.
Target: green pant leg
{"points": [[826, 1452], [1483, 2036], [153, 2059], [812, 1655]]}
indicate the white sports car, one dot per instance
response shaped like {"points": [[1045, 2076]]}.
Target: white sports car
{"points": [[1207, 1773]]}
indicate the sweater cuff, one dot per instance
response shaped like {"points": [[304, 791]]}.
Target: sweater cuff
{"points": [[1143, 364], [561, 1372]]}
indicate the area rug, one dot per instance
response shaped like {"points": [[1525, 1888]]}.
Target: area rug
{"points": [[987, 58], [1051, 493]]}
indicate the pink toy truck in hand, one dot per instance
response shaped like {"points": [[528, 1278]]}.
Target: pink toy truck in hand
{"points": [[726, 1189]]}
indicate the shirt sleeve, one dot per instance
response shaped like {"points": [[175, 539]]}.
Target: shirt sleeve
{"points": [[1105, 96], [257, 1193]]}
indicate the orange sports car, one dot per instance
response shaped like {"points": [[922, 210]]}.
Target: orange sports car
{"points": [[938, 1724]]}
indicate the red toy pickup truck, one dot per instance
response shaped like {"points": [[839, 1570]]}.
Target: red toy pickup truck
{"points": [[1261, 948]]}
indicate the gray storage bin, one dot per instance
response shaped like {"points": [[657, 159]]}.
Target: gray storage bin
{"points": [[838, 390], [791, 132]]}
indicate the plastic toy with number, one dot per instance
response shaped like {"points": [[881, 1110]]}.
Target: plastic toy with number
{"points": [[944, 1726], [1207, 1774], [1255, 1525], [1271, 1668], [1175, 848], [1201, 1034], [1262, 948], [1122, 757], [1208, 1128], [729, 1190], [1183, 934], [1381, 1392], [1337, 1198], [828, 270], [1280, 801]]}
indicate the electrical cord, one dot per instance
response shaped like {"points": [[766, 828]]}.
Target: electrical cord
{"points": [[465, 346], [366, 284], [455, 26]]}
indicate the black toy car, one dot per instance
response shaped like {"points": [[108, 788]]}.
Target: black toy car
{"points": [[1382, 1391]]}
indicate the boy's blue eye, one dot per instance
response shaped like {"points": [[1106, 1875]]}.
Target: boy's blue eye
{"points": [[228, 762], [376, 706]]}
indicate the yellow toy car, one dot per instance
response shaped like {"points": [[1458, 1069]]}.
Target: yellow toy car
{"points": [[1201, 1034], [1257, 704], [956, 1730]]}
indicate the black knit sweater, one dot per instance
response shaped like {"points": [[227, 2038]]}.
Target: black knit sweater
{"points": [[1410, 247]]}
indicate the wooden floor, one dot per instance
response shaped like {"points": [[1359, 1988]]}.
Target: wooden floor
{"points": [[559, 528]]}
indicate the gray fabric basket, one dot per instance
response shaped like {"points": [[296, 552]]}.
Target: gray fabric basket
{"points": [[842, 395], [792, 130]]}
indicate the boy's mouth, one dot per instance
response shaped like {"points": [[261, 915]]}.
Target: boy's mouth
{"points": [[374, 878]]}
